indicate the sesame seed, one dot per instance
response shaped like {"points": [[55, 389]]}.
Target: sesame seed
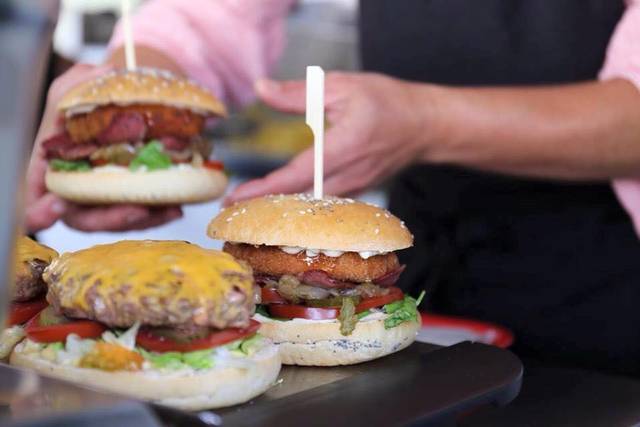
{"points": [[244, 210], [309, 210], [377, 231], [236, 213], [284, 215], [301, 212], [229, 219], [378, 215]]}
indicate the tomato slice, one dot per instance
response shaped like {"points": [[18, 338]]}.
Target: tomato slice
{"points": [[59, 332], [20, 312], [271, 296], [291, 311], [213, 164], [147, 340], [394, 294]]}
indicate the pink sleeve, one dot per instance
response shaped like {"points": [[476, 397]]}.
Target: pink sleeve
{"points": [[223, 44], [623, 61]]}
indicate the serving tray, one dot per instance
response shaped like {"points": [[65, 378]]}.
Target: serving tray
{"points": [[421, 385]]}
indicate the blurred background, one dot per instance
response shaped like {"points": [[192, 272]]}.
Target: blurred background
{"points": [[250, 142]]}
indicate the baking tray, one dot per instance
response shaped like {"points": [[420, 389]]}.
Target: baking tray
{"points": [[421, 385]]}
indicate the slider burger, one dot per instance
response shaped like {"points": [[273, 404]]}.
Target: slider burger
{"points": [[135, 136], [27, 295], [327, 269], [164, 321]]}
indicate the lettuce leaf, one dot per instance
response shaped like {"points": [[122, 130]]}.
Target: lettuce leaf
{"points": [[69, 165], [151, 156], [170, 360], [126, 339], [199, 359], [404, 310], [363, 314]]}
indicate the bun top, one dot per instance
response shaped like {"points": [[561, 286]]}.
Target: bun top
{"points": [[300, 220], [142, 86]]}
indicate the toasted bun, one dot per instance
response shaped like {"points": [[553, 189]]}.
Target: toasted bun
{"points": [[142, 86], [320, 343], [114, 184], [213, 388], [300, 220]]}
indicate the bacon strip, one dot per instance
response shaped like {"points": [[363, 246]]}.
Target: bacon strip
{"points": [[60, 146], [390, 278], [322, 279], [124, 127]]}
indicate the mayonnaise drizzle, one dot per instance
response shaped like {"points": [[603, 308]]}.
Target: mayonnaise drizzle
{"points": [[293, 250]]}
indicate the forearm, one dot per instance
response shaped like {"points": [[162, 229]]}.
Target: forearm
{"points": [[586, 131]]}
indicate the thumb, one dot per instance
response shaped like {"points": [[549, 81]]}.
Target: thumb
{"points": [[287, 96], [44, 212]]}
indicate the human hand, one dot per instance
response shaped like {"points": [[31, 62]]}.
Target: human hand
{"points": [[374, 132], [43, 209]]}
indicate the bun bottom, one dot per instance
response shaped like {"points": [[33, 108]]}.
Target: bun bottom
{"points": [[194, 390], [320, 343], [116, 184]]}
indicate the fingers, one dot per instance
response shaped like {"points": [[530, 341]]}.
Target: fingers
{"points": [[284, 96], [44, 212], [295, 177], [118, 217]]}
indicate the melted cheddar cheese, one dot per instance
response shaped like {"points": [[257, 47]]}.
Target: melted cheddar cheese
{"points": [[168, 272], [29, 250]]}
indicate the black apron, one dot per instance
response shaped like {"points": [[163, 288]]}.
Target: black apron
{"points": [[558, 263]]}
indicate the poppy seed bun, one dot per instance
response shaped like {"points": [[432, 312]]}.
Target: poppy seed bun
{"points": [[320, 343], [113, 184], [300, 220], [142, 86], [194, 390]]}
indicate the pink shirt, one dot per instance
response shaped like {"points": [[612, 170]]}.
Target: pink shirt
{"points": [[226, 45]]}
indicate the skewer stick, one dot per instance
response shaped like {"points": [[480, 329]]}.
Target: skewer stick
{"points": [[129, 48], [315, 120]]}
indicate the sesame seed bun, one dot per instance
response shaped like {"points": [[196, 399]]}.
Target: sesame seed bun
{"points": [[113, 184], [299, 220], [320, 343], [142, 86]]}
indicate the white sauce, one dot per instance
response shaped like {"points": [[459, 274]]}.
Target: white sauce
{"points": [[293, 250], [122, 169], [375, 315]]}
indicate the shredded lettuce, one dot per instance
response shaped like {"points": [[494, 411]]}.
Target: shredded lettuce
{"points": [[363, 314], [200, 359], [249, 346], [173, 360], [152, 157], [126, 339], [74, 349], [69, 165], [404, 310], [56, 346]]}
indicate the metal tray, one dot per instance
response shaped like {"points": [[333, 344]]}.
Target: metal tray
{"points": [[422, 385]]}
